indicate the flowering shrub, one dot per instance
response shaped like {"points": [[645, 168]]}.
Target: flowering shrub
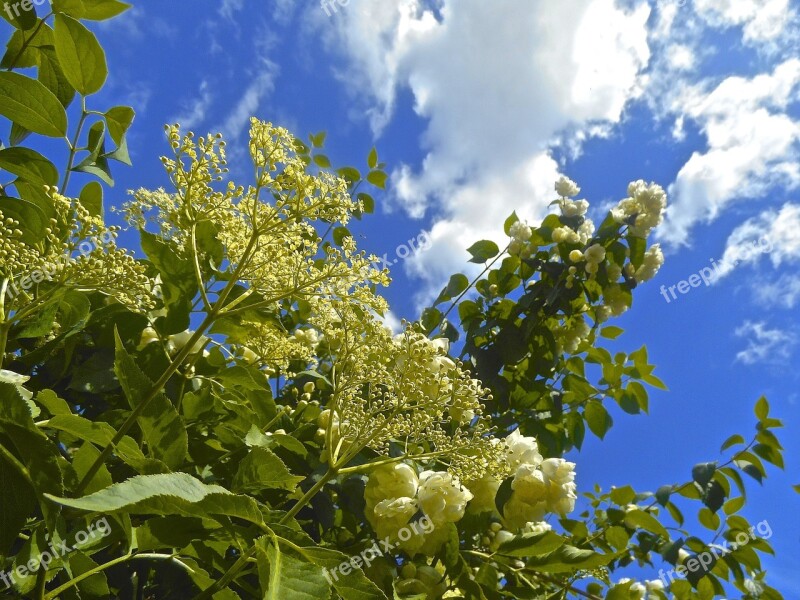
{"points": [[234, 407]]}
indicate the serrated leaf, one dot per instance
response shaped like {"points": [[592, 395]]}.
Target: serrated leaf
{"points": [[81, 57], [160, 423], [261, 469], [29, 104], [166, 494], [290, 578], [529, 544]]}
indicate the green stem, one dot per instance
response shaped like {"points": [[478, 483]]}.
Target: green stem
{"points": [[240, 564], [140, 408], [4, 327], [73, 147], [472, 284], [27, 42], [100, 568], [18, 466]]}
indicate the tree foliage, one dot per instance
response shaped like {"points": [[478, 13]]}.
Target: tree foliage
{"points": [[235, 413]]}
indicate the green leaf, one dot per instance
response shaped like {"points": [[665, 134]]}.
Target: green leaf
{"points": [[160, 423], [512, 218], [290, 578], [32, 219], [638, 248], [100, 10], [703, 472], [52, 76], [457, 284], [322, 161], [261, 469], [166, 494], [17, 503], [350, 174], [372, 159], [597, 418], [29, 165], [91, 198], [21, 19], [644, 520], [353, 585], [529, 544], [73, 8], [611, 332], [119, 120], [762, 408], [80, 54], [378, 179], [31, 105], [483, 251], [732, 441]]}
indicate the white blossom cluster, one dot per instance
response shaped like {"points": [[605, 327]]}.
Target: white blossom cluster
{"points": [[644, 591], [645, 204], [395, 493]]}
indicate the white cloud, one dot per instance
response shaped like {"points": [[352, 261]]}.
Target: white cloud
{"points": [[496, 82], [773, 233], [229, 8], [784, 292], [764, 345], [752, 145], [761, 20], [194, 113]]}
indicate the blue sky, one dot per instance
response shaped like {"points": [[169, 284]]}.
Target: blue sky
{"points": [[477, 107]]}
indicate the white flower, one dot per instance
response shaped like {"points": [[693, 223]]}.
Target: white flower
{"points": [[390, 498], [646, 202], [500, 538], [484, 494], [177, 342], [573, 208], [307, 337], [537, 528], [149, 335], [615, 299], [585, 231], [566, 188], [441, 497], [653, 259], [520, 232], [522, 450], [565, 234], [614, 272], [515, 247], [560, 477], [528, 501], [576, 256], [595, 253]]}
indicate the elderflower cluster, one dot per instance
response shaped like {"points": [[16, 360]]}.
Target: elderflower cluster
{"points": [[77, 251], [643, 209], [395, 493]]}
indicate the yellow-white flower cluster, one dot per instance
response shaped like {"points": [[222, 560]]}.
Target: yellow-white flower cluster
{"points": [[645, 205], [645, 591], [77, 251], [395, 493], [540, 486]]}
